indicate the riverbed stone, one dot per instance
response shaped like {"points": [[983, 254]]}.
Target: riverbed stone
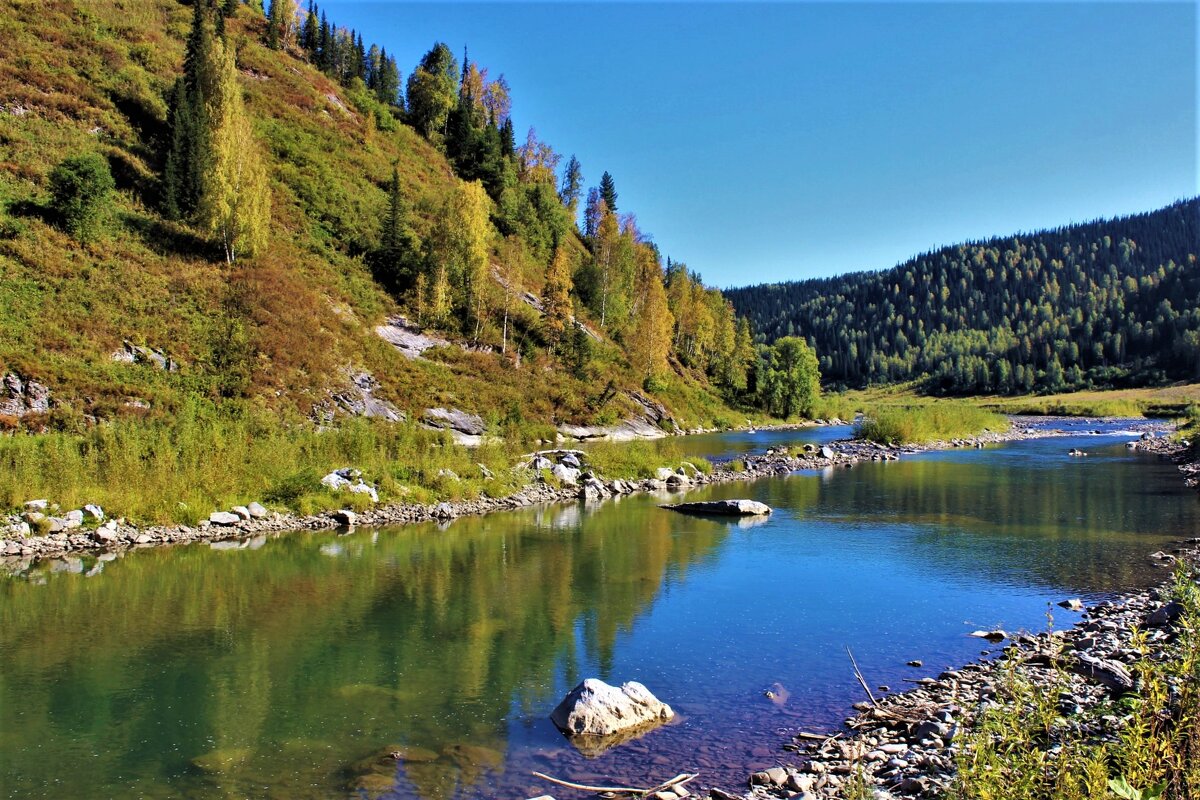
{"points": [[241, 512], [224, 518], [95, 512], [732, 508], [257, 510], [344, 516], [595, 708]]}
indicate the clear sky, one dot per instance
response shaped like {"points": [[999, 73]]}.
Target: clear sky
{"points": [[764, 142]]}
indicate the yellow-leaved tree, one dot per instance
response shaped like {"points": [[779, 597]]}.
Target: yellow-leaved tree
{"points": [[556, 299], [235, 205], [649, 341], [459, 255]]}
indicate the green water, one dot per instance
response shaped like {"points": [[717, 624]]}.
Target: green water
{"points": [[269, 670]]}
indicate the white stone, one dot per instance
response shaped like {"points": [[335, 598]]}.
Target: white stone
{"points": [[594, 707], [565, 475], [223, 518], [241, 511]]}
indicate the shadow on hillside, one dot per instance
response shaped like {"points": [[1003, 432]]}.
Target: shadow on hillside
{"points": [[151, 131], [132, 176], [32, 209], [168, 238]]}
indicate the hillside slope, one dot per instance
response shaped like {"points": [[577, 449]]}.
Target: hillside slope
{"points": [[1106, 303], [295, 329]]}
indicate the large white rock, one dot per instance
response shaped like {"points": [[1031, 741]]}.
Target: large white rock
{"points": [[565, 475], [593, 707]]}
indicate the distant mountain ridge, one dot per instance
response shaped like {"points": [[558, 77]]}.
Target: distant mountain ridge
{"points": [[1112, 302]]}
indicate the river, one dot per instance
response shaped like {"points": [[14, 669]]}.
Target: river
{"points": [[267, 668]]}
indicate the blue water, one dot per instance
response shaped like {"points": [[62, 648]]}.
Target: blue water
{"points": [[293, 659]]}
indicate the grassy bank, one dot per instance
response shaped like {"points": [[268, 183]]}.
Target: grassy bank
{"points": [[1024, 748], [927, 422], [1165, 401], [209, 458]]}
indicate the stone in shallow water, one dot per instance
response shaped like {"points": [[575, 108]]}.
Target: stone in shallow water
{"points": [[222, 760], [597, 716], [724, 508]]}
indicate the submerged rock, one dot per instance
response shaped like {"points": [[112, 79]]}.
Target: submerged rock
{"points": [[724, 508], [597, 716]]}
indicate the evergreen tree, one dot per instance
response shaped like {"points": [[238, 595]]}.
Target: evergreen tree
{"points": [[360, 59], [508, 140], [608, 191], [324, 60], [310, 35], [572, 183], [395, 262], [189, 149]]}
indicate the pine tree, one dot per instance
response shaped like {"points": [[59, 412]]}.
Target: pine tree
{"points": [[236, 203], [608, 191], [189, 150], [508, 140], [324, 60], [360, 59], [309, 36], [572, 183], [395, 261]]}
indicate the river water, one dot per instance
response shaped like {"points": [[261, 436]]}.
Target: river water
{"points": [[270, 669]]}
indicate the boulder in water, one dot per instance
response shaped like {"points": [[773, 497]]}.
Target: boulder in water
{"points": [[597, 716], [723, 508]]}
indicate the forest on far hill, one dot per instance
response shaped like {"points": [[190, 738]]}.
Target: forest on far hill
{"points": [[1108, 303]]}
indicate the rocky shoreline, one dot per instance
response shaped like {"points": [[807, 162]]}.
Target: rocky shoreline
{"points": [[905, 744], [570, 482]]}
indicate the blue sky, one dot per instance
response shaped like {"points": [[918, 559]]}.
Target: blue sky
{"points": [[765, 142]]}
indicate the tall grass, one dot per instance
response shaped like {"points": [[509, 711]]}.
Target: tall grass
{"points": [[930, 422], [208, 458], [1023, 748], [1086, 406]]}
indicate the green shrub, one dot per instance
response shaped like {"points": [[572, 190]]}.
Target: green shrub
{"points": [[80, 187]]}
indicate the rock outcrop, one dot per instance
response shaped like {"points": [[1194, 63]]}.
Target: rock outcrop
{"points": [[20, 397]]}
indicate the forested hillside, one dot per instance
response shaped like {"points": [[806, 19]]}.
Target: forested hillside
{"points": [[1106, 303], [235, 203]]}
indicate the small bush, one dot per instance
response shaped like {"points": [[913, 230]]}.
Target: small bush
{"points": [[80, 187]]}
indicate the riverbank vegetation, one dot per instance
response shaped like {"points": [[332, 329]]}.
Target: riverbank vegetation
{"points": [[1025, 749], [930, 422], [210, 457]]}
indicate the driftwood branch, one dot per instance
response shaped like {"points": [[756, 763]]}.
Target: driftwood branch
{"points": [[861, 680], [678, 780]]}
